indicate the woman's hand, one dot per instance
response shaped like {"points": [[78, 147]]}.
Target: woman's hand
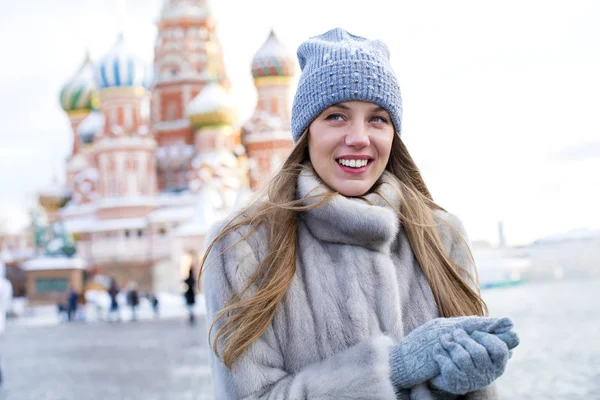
{"points": [[412, 360], [471, 362]]}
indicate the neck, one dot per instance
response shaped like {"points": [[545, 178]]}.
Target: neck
{"points": [[369, 221]]}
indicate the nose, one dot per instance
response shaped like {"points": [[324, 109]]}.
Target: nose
{"points": [[357, 136]]}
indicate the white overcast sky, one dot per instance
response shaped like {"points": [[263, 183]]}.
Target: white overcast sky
{"points": [[501, 98]]}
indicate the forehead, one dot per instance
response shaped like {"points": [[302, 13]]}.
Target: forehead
{"points": [[358, 105]]}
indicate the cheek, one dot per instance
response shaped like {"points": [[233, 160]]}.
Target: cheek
{"points": [[320, 148], [384, 147]]}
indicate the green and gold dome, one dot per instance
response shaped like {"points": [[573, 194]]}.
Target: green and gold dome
{"points": [[273, 60], [211, 107], [79, 93]]}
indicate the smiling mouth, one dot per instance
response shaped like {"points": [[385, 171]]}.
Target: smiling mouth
{"points": [[354, 163]]}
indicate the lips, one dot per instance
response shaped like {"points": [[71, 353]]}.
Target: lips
{"points": [[354, 161]]}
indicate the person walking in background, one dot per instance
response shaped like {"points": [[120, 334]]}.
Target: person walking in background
{"points": [[113, 292], [72, 300], [6, 295], [133, 299], [190, 295], [154, 303], [346, 280]]}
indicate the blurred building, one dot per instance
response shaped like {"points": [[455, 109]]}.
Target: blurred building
{"points": [[571, 255], [158, 151]]}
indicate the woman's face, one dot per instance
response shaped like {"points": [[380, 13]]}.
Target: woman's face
{"points": [[349, 146]]}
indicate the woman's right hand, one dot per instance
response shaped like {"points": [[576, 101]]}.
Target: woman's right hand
{"points": [[411, 360]]}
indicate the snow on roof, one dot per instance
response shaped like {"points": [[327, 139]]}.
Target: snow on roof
{"points": [[214, 158], [73, 210], [92, 124], [126, 201], [77, 163], [171, 214], [88, 173], [53, 263], [126, 142], [260, 135], [269, 125], [84, 224], [102, 225], [176, 199], [12, 255], [55, 190], [92, 224], [211, 99]]}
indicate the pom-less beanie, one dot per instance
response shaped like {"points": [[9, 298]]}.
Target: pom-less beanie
{"points": [[338, 66]]}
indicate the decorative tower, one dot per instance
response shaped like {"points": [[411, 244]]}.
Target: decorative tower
{"points": [[187, 56], [267, 135], [212, 115], [79, 99], [124, 152]]}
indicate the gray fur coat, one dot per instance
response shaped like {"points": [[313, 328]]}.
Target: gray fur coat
{"points": [[357, 290]]}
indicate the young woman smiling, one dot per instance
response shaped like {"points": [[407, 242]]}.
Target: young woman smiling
{"points": [[345, 280]]}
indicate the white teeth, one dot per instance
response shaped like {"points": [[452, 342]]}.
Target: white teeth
{"points": [[353, 163]]}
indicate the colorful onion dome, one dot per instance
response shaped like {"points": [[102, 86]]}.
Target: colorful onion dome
{"points": [[272, 59], [121, 68], [212, 106], [79, 93]]}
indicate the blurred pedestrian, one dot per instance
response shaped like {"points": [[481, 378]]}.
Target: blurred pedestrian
{"points": [[133, 300], [113, 292], [190, 295], [6, 295], [72, 300], [154, 303]]}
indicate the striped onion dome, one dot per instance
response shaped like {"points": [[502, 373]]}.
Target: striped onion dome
{"points": [[121, 68], [272, 59], [212, 106], [79, 93]]}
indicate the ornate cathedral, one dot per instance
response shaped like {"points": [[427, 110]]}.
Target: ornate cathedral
{"points": [[158, 153]]}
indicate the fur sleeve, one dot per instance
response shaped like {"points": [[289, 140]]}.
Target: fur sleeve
{"points": [[359, 372], [457, 243]]}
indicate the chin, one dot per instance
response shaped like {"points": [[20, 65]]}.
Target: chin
{"points": [[352, 190]]}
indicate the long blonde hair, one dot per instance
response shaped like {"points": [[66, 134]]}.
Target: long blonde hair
{"points": [[247, 315]]}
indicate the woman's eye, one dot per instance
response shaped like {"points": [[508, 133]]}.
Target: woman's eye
{"points": [[379, 118], [335, 117]]}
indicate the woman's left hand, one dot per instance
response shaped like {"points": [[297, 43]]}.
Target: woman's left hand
{"points": [[469, 363]]}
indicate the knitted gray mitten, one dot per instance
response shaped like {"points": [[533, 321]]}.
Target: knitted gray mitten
{"points": [[411, 360], [469, 363]]}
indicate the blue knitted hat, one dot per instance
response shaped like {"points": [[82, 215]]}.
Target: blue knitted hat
{"points": [[338, 66]]}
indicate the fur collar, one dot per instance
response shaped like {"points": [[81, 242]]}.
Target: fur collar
{"points": [[366, 221]]}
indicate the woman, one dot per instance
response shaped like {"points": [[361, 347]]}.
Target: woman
{"points": [[346, 280]]}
